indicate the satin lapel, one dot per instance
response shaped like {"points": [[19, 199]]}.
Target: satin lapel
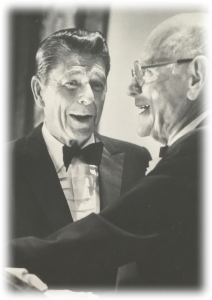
{"points": [[110, 176], [44, 182]]}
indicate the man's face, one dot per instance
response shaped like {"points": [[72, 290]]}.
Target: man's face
{"points": [[162, 99], [74, 97]]}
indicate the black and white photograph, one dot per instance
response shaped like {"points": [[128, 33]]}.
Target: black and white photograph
{"points": [[106, 150]]}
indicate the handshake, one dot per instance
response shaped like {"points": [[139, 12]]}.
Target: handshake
{"points": [[20, 279]]}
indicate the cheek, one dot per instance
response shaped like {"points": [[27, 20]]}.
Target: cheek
{"points": [[62, 102], [155, 101], [65, 98], [162, 98], [99, 103], [155, 97]]}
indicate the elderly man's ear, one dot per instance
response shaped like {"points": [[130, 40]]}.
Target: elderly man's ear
{"points": [[36, 86], [198, 70]]}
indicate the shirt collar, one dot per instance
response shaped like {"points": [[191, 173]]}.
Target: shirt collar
{"points": [[191, 126], [54, 147]]}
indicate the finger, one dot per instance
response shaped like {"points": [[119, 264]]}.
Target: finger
{"points": [[35, 282], [18, 272]]}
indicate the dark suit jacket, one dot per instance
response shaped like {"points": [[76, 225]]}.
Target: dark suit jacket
{"points": [[156, 224], [38, 207]]}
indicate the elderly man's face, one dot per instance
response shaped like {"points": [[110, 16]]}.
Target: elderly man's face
{"points": [[162, 99], [74, 96]]}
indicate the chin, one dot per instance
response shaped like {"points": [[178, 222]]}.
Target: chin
{"points": [[142, 131], [81, 139], [141, 134]]}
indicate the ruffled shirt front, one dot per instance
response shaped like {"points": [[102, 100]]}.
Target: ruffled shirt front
{"points": [[80, 183]]}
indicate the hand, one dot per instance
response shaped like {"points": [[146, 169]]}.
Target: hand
{"points": [[67, 294], [18, 279], [30, 279]]}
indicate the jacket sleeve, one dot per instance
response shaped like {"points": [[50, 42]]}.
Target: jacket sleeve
{"points": [[90, 250]]}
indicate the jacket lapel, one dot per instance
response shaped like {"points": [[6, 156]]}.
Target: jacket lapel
{"points": [[44, 182], [110, 172]]}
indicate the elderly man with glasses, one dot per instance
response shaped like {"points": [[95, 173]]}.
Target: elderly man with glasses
{"points": [[157, 223]]}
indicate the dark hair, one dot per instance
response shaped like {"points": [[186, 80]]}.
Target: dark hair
{"points": [[69, 40]]}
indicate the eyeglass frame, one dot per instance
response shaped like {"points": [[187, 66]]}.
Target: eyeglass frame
{"points": [[161, 64]]}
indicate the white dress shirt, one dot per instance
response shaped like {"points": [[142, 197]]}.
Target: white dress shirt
{"points": [[80, 183], [174, 137], [191, 126]]}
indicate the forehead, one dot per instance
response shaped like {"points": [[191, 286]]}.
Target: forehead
{"points": [[146, 59], [156, 47], [71, 64], [151, 55]]}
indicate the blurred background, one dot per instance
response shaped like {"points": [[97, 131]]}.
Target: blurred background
{"points": [[125, 31]]}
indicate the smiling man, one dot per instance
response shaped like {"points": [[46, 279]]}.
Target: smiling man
{"points": [[72, 96], [64, 170], [157, 223]]}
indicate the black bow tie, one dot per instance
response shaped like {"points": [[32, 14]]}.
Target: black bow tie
{"points": [[163, 150], [91, 154]]}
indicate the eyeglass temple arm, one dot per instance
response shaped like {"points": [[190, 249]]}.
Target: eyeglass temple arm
{"points": [[183, 60]]}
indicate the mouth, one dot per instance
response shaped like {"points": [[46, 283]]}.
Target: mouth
{"points": [[143, 108], [81, 118]]}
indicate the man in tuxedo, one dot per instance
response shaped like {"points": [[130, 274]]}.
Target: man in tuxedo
{"points": [[156, 223], [64, 170]]}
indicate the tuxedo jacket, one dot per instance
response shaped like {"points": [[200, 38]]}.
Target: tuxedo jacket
{"points": [[156, 224], [38, 206]]}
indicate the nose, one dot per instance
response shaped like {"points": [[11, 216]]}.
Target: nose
{"points": [[86, 95], [134, 88]]}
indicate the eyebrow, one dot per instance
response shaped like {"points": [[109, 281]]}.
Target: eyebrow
{"points": [[95, 71], [100, 74], [74, 72]]}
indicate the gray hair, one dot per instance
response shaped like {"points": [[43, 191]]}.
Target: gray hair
{"points": [[182, 36]]}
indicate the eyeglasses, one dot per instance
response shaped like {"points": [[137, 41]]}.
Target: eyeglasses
{"points": [[140, 71]]}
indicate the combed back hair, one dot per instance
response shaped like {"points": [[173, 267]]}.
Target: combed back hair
{"points": [[69, 41], [182, 36]]}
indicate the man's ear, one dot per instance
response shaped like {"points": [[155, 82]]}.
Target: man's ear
{"points": [[198, 70], [37, 91]]}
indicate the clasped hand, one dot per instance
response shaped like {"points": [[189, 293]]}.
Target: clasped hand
{"points": [[36, 282]]}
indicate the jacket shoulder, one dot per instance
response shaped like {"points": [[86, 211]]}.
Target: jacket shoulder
{"points": [[7, 146], [16, 147], [19, 144]]}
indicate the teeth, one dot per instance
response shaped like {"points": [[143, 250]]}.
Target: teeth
{"points": [[144, 106], [80, 116]]}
